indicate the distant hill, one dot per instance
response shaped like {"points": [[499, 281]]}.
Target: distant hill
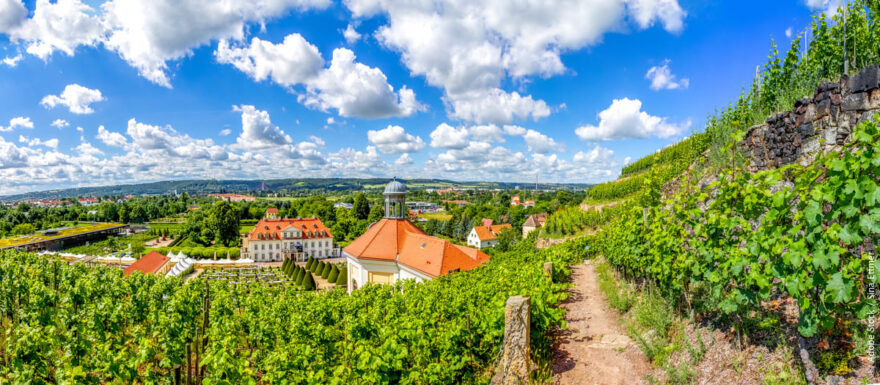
{"points": [[317, 185]]}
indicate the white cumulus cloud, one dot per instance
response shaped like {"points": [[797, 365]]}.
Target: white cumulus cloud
{"points": [[109, 138], [62, 26], [51, 143], [258, 132], [540, 143], [350, 34], [60, 123], [351, 88], [149, 33], [470, 50], [661, 78], [625, 119], [20, 121], [395, 140], [446, 136], [290, 62], [11, 61], [76, 98]]}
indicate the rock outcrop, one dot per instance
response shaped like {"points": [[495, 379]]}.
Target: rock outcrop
{"points": [[822, 123]]}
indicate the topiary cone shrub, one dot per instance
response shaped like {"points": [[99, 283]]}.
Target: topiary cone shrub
{"points": [[342, 277], [334, 273], [308, 282], [296, 274]]}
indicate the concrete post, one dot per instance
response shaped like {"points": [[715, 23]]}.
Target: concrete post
{"points": [[548, 270], [515, 363]]}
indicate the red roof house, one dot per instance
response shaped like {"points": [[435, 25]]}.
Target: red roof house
{"points": [[152, 263]]}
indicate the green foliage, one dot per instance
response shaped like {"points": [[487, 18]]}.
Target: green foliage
{"points": [[361, 208], [224, 220], [23, 229], [684, 151], [308, 283], [572, 220], [203, 252], [443, 331], [325, 272], [342, 277], [300, 278], [334, 273], [620, 297], [752, 239]]}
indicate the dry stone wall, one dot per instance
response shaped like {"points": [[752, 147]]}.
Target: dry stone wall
{"points": [[822, 123]]}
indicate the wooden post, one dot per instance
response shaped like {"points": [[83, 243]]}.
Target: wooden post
{"points": [[177, 375], [196, 370], [188, 365], [548, 270], [515, 363]]}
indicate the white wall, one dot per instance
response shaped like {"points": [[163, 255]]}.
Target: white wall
{"points": [[359, 270]]}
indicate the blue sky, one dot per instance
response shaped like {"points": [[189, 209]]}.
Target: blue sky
{"points": [[146, 90]]}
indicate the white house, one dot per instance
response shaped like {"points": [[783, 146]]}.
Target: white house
{"points": [[486, 235], [394, 248], [274, 238]]}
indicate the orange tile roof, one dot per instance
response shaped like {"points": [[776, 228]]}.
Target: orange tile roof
{"points": [[401, 241], [148, 264], [270, 229], [272, 211], [489, 233]]}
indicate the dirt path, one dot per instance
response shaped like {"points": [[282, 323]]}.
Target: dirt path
{"points": [[595, 349]]}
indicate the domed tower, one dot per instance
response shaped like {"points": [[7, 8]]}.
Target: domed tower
{"points": [[395, 200]]}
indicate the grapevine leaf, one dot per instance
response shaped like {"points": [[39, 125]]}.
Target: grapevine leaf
{"points": [[728, 305], [813, 213], [838, 289], [808, 325], [850, 236], [870, 223]]}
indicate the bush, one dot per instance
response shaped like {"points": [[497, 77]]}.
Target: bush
{"points": [[302, 276], [297, 274], [342, 277], [308, 282], [325, 272], [334, 273]]}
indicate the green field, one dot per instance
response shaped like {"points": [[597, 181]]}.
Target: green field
{"points": [[444, 216]]}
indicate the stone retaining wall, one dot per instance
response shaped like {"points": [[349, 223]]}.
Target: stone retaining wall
{"points": [[822, 123]]}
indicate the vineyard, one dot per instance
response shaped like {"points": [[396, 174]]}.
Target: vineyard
{"points": [[803, 232], [658, 169], [70, 323], [685, 151], [573, 220]]}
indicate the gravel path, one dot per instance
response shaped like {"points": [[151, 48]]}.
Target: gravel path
{"points": [[595, 348]]}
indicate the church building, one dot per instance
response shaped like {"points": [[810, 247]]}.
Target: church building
{"points": [[394, 248]]}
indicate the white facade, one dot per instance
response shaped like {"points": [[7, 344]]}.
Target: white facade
{"points": [[273, 250], [364, 271], [474, 240]]}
